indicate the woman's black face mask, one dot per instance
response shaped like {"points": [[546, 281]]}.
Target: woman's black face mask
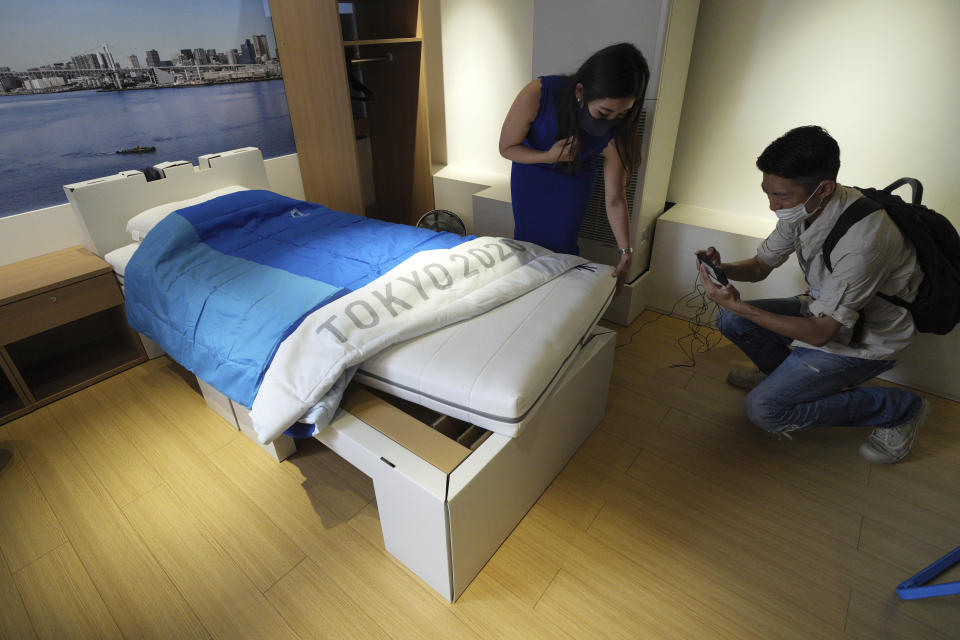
{"points": [[596, 126]]}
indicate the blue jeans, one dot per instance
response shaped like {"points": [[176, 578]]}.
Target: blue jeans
{"points": [[808, 387]]}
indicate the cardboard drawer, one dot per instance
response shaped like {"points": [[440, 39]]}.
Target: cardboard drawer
{"points": [[435, 438], [39, 313]]}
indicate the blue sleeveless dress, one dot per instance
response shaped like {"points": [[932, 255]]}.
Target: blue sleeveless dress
{"points": [[549, 201]]}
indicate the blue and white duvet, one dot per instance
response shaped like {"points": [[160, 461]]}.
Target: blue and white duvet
{"points": [[273, 300]]}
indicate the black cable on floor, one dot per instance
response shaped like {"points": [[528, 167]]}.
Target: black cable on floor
{"points": [[703, 316]]}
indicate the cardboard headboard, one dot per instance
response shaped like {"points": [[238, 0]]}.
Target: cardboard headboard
{"points": [[104, 205]]}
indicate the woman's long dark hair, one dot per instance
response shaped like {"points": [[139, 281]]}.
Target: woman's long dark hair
{"points": [[617, 71]]}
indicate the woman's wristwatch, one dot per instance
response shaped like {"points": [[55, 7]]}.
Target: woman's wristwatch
{"points": [[626, 251]]}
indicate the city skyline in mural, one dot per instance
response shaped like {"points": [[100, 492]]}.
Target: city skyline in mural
{"points": [[46, 32], [88, 90]]}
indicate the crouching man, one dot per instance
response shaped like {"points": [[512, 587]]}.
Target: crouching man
{"points": [[813, 350]]}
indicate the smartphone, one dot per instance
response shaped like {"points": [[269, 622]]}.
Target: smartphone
{"points": [[716, 273]]}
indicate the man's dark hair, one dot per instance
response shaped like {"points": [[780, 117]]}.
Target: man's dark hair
{"points": [[805, 155]]}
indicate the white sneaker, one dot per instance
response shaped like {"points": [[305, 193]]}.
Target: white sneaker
{"points": [[889, 445], [745, 378]]}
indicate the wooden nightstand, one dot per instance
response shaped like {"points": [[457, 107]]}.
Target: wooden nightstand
{"points": [[62, 328]]}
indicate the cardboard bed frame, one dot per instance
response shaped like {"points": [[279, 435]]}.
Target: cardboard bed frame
{"points": [[445, 505]]}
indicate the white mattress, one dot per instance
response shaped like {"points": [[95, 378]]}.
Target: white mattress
{"points": [[494, 370], [118, 259]]}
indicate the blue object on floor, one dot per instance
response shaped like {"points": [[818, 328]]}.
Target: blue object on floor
{"points": [[917, 587]]}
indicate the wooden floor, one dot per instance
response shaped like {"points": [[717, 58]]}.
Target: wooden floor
{"points": [[131, 510]]}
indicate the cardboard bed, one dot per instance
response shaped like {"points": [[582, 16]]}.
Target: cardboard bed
{"points": [[461, 430]]}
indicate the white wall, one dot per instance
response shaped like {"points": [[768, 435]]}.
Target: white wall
{"points": [[567, 32], [283, 174], [487, 59], [879, 75], [34, 233]]}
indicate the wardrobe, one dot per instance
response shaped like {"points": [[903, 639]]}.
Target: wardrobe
{"points": [[356, 90]]}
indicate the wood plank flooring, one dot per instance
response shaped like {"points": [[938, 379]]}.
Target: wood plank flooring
{"points": [[130, 510]]}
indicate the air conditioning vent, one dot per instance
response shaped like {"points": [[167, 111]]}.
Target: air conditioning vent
{"points": [[595, 224]]}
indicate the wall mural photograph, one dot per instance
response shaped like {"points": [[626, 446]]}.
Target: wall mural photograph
{"points": [[91, 89]]}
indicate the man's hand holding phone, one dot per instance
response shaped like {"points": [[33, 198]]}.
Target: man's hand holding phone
{"points": [[716, 285], [713, 268]]}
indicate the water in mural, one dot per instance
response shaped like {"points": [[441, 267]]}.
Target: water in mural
{"points": [[50, 140]]}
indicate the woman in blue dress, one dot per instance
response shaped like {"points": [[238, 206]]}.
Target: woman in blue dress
{"points": [[553, 132]]}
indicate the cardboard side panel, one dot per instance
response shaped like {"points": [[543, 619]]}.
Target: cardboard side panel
{"points": [[280, 449], [494, 488], [410, 494], [414, 525], [220, 403]]}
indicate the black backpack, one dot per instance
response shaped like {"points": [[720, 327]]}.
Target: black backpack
{"points": [[936, 308]]}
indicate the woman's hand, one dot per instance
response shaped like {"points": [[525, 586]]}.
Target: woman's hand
{"points": [[564, 150], [620, 273]]}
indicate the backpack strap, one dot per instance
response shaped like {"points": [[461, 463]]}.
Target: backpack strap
{"points": [[856, 212], [914, 184]]}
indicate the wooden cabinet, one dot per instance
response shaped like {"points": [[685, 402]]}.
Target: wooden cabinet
{"points": [[379, 44], [62, 327]]}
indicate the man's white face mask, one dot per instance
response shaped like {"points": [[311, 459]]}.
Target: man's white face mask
{"points": [[799, 212]]}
